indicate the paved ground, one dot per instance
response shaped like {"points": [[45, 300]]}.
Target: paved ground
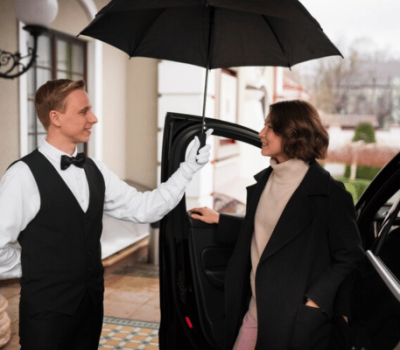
{"points": [[132, 291]]}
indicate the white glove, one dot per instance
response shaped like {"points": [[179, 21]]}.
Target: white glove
{"points": [[194, 162]]}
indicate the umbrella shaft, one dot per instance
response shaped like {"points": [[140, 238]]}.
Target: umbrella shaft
{"points": [[209, 55], [204, 102]]}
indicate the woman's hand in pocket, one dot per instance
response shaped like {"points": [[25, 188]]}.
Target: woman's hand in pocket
{"points": [[311, 330]]}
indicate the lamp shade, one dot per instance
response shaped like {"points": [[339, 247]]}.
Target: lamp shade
{"points": [[36, 12]]}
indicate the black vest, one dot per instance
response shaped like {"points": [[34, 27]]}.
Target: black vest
{"points": [[61, 250]]}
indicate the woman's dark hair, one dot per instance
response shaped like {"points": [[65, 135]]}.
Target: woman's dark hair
{"points": [[298, 123]]}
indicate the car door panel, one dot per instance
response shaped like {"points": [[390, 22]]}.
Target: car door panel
{"points": [[214, 261], [209, 260], [192, 260]]}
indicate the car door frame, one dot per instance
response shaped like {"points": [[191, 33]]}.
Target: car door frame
{"points": [[179, 131]]}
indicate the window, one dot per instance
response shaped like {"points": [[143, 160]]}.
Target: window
{"points": [[60, 56]]}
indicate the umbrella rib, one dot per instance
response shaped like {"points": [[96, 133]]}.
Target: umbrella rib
{"points": [[276, 37], [146, 32]]}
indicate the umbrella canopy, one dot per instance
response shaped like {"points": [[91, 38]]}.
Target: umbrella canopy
{"points": [[213, 33]]}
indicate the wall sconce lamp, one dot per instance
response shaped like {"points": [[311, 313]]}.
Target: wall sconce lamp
{"points": [[37, 16]]}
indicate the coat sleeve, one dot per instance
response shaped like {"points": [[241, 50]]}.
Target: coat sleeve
{"points": [[344, 245], [228, 228]]}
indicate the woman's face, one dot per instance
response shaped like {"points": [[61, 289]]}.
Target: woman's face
{"points": [[271, 143]]}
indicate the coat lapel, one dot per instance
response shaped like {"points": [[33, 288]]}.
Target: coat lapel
{"points": [[297, 214], [299, 211], [254, 192]]}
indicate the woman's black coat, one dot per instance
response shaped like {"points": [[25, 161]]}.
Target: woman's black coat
{"points": [[315, 244]]}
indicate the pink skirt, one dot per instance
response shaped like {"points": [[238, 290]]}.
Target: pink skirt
{"points": [[247, 336]]}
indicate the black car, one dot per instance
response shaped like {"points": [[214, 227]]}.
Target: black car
{"points": [[192, 263]]}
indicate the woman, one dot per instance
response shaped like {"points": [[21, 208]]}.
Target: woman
{"points": [[295, 246]]}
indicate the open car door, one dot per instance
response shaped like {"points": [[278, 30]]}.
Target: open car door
{"points": [[192, 262]]}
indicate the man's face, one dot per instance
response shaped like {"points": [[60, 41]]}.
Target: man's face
{"points": [[77, 120]]}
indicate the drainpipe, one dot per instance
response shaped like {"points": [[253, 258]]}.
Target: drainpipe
{"points": [[275, 94]]}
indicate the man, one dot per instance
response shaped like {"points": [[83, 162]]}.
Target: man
{"points": [[53, 204]]}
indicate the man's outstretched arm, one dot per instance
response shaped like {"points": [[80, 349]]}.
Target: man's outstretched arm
{"points": [[125, 202]]}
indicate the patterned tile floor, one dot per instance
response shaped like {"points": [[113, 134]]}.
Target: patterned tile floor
{"points": [[121, 334]]}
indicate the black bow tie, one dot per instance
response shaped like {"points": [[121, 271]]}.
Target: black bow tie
{"points": [[78, 161]]}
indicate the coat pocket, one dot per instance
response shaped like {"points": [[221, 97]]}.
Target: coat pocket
{"points": [[311, 329], [340, 334]]}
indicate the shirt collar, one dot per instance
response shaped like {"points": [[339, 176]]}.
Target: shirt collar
{"points": [[53, 153]]}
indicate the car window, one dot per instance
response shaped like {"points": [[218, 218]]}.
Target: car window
{"points": [[393, 198], [233, 169], [383, 211], [373, 208]]}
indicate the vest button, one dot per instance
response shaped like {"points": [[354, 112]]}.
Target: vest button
{"points": [[86, 221], [90, 253]]}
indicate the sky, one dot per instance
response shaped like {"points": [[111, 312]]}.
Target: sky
{"points": [[345, 20]]}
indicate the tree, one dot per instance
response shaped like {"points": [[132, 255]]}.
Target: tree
{"points": [[363, 83], [333, 80], [364, 132]]}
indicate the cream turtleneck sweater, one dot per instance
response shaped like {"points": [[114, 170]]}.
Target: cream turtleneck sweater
{"points": [[283, 181]]}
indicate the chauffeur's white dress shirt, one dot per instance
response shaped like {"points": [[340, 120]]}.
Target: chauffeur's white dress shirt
{"points": [[20, 201]]}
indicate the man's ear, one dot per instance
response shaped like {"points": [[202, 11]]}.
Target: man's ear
{"points": [[54, 118]]}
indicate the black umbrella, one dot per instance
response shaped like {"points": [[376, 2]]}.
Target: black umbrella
{"points": [[213, 33]]}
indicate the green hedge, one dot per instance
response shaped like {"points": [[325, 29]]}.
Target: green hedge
{"points": [[355, 187], [362, 172]]}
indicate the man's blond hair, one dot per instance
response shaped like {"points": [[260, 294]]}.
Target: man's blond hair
{"points": [[52, 95]]}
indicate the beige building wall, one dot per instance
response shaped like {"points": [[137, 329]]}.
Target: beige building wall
{"points": [[114, 85], [9, 111], [114, 109], [141, 123], [70, 18]]}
